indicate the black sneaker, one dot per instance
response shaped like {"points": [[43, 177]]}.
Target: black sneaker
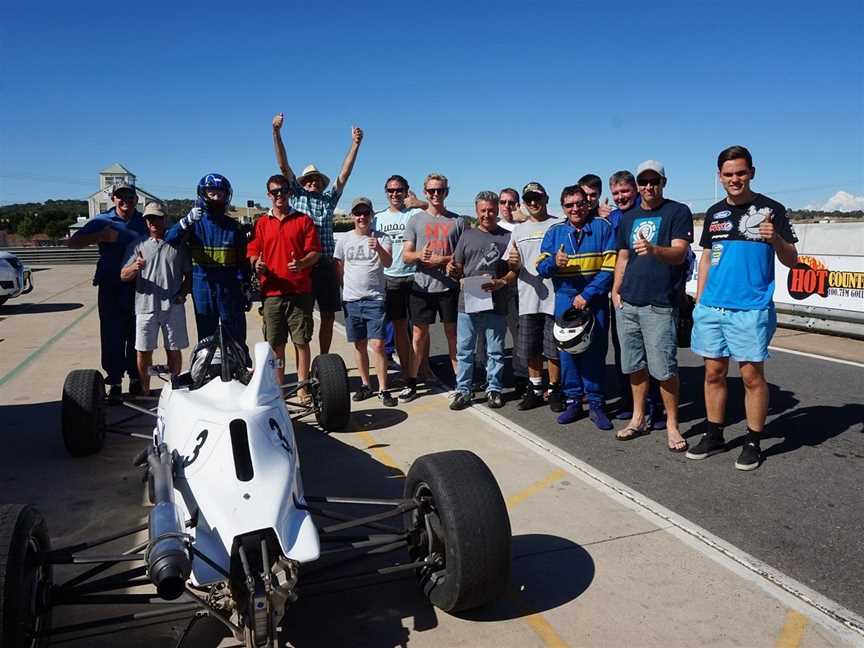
{"points": [[386, 399], [557, 402], [493, 399], [710, 443], [530, 400], [408, 394], [135, 388], [751, 455], [521, 387], [115, 393], [362, 394], [460, 401]]}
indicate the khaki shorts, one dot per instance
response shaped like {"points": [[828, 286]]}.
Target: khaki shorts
{"points": [[172, 324], [286, 315]]}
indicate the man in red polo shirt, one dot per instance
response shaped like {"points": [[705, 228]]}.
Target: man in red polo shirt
{"points": [[283, 249]]}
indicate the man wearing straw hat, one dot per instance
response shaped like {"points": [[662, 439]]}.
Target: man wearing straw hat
{"points": [[311, 196]]}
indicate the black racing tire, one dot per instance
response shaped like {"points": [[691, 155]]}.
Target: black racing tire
{"points": [[83, 412], [24, 584], [470, 530], [330, 392]]}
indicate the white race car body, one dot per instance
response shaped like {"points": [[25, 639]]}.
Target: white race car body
{"points": [[240, 467], [15, 277]]}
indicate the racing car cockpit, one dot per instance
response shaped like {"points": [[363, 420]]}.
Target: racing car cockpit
{"points": [[217, 355]]}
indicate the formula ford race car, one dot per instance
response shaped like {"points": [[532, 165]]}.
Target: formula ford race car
{"points": [[232, 535]]}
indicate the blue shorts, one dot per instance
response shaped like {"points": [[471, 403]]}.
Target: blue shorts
{"points": [[648, 338], [365, 320], [743, 335]]}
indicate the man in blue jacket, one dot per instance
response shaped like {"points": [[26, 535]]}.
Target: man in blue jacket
{"points": [[579, 255], [218, 249], [113, 231]]}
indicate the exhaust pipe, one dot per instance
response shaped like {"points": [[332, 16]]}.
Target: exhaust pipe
{"points": [[168, 564]]}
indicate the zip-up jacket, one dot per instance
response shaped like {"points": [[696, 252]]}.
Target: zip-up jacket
{"points": [[591, 258]]}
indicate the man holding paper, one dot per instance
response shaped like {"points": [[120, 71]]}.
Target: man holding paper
{"points": [[479, 257]]}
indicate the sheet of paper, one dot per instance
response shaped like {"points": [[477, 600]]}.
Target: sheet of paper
{"points": [[476, 299]]}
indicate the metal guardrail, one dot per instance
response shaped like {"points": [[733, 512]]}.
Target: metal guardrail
{"points": [[55, 255]]}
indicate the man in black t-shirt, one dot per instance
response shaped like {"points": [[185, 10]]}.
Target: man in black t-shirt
{"points": [[653, 241]]}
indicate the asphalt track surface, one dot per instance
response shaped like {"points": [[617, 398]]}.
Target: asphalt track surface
{"points": [[801, 512]]}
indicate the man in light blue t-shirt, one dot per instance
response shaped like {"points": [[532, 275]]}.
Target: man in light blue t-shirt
{"points": [[400, 275]]}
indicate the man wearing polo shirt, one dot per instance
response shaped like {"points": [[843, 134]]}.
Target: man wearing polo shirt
{"points": [[113, 231], [310, 196], [653, 241], [162, 273], [283, 250]]}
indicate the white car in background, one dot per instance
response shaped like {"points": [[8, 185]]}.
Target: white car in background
{"points": [[14, 277]]}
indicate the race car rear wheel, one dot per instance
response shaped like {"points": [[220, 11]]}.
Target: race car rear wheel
{"points": [[83, 412], [330, 392], [25, 612], [462, 524]]}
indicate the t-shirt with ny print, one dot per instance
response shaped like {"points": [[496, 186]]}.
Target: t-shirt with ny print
{"points": [[442, 233]]}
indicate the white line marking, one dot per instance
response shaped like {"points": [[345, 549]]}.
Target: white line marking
{"points": [[777, 584], [818, 357]]}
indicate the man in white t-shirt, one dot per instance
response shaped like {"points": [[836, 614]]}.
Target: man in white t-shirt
{"points": [[400, 275], [361, 256], [536, 301]]}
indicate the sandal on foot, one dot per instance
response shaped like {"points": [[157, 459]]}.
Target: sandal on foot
{"points": [[677, 447], [631, 432]]}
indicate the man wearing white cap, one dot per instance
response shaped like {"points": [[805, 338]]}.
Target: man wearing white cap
{"points": [[653, 244], [311, 196]]}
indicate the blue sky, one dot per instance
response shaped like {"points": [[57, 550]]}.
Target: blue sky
{"points": [[490, 94]]}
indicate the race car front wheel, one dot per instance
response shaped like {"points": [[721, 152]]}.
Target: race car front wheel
{"points": [[461, 528], [25, 582], [330, 392], [83, 412]]}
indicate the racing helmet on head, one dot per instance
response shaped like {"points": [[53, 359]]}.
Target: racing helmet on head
{"points": [[215, 181], [574, 330]]}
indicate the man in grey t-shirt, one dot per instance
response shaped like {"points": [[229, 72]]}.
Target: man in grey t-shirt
{"points": [[430, 239], [162, 275], [480, 253]]}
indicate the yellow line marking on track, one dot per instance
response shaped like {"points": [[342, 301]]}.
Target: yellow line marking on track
{"points": [[536, 487], [379, 453], [545, 631], [793, 630]]}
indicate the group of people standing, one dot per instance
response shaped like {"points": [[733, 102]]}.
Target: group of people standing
{"points": [[513, 266]]}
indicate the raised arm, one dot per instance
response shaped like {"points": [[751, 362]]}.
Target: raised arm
{"points": [[350, 158], [279, 147]]}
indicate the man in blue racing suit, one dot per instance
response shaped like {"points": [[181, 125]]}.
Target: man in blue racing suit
{"points": [[579, 255], [218, 248]]}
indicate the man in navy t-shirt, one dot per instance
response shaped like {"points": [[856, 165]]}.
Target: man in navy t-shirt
{"points": [[735, 317], [653, 241]]}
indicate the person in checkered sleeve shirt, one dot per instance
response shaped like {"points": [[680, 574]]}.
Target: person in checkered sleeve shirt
{"points": [[311, 196]]}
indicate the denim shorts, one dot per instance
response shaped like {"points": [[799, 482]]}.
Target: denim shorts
{"points": [[365, 320], [743, 335], [648, 338]]}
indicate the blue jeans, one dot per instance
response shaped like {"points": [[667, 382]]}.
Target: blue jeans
{"points": [[468, 326], [582, 374]]}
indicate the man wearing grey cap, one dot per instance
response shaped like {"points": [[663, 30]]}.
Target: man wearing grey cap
{"points": [[162, 273], [653, 244], [113, 231], [361, 256]]}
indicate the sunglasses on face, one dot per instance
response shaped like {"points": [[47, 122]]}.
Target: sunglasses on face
{"points": [[391, 190], [649, 182], [533, 198], [281, 191], [436, 190], [362, 212], [512, 203], [582, 204], [126, 198]]}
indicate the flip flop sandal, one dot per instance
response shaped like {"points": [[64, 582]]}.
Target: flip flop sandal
{"points": [[629, 433], [685, 447]]}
